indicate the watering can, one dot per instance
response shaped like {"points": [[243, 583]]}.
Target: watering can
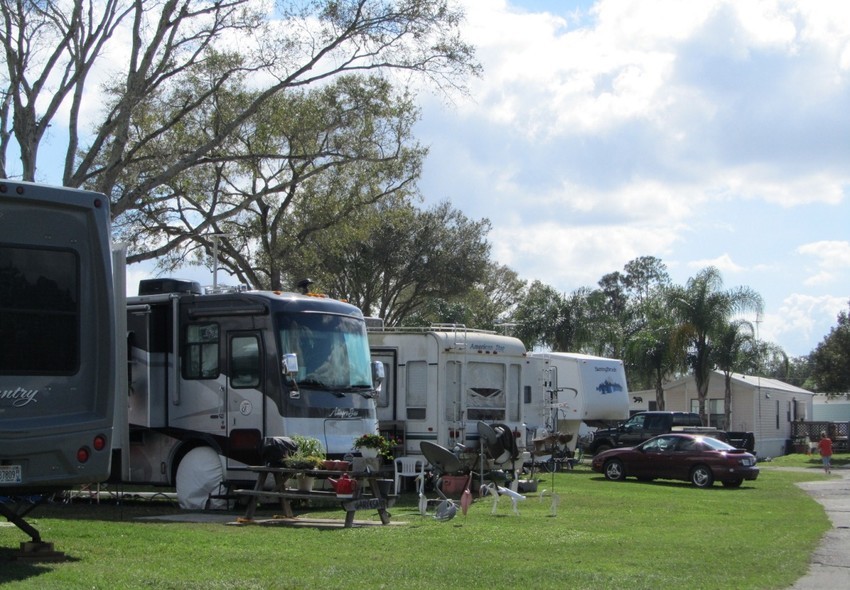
{"points": [[344, 486]]}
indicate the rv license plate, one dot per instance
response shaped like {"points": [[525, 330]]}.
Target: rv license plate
{"points": [[10, 474]]}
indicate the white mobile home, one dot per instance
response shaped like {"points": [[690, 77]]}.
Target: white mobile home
{"points": [[765, 407]]}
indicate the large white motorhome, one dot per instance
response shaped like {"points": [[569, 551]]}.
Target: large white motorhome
{"points": [[57, 334], [207, 383], [442, 380]]}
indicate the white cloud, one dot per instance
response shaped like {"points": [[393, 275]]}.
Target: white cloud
{"points": [[802, 318], [707, 132], [570, 257], [766, 183], [723, 263], [832, 258]]}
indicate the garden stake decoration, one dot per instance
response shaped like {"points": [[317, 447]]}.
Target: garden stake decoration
{"points": [[497, 492], [445, 511], [423, 501], [466, 497], [556, 500]]}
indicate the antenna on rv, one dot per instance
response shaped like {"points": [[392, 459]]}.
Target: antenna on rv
{"points": [[215, 239]]}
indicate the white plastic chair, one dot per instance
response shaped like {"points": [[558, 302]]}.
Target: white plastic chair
{"points": [[408, 467]]}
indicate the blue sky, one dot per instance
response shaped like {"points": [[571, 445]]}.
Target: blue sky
{"points": [[699, 132], [702, 132]]}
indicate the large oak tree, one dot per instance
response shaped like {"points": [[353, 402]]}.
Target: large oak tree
{"points": [[145, 93]]}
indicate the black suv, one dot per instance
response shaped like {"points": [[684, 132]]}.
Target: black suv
{"points": [[641, 427]]}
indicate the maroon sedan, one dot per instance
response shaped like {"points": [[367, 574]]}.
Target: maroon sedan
{"points": [[698, 459]]}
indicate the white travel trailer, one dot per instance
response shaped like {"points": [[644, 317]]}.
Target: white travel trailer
{"points": [[442, 380], [575, 388], [57, 336], [211, 377]]}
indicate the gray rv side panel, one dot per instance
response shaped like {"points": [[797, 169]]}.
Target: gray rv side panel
{"points": [[66, 407]]}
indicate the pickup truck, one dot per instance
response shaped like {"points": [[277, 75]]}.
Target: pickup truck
{"points": [[645, 425]]}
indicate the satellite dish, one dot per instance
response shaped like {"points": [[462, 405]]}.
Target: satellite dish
{"points": [[494, 442], [443, 460]]}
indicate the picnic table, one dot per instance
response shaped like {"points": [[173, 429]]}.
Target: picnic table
{"points": [[282, 476]]}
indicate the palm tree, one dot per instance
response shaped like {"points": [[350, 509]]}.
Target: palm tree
{"points": [[734, 349], [649, 355], [700, 309]]}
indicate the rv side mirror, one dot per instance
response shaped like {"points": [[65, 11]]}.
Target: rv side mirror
{"points": [[289, 363], [377, 375]]}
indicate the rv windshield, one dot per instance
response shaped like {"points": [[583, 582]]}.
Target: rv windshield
{"points": [[332, 351]]}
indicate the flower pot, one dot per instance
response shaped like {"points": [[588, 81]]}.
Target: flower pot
{"points": [[368, 453], [305, 483]]}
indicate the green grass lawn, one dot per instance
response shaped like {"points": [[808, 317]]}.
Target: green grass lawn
{"points": [[603, 535]]}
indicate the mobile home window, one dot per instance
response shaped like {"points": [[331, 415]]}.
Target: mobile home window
{"points": [[39, 311], [716, 412], [201, 350]]}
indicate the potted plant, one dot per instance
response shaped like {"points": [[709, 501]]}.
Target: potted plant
{"points": [[801, 445], [309, 455], [374, 445]]}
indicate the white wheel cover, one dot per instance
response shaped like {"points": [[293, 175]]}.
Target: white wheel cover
{"points": [[198, 475]]}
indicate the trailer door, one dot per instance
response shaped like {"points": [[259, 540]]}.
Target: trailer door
{"points": [[245, 408]]}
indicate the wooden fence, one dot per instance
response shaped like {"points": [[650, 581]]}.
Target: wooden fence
{"points": [[837, 431]]}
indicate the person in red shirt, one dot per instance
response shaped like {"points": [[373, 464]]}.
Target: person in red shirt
{"points": [[825, 447]]}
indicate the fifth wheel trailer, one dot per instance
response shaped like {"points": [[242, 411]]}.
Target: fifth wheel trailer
{"points": [[579, 388], [56, 328]]}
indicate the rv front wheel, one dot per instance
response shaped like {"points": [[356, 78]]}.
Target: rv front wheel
{"points": [[200, 474]]}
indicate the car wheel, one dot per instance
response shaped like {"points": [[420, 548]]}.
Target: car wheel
{"points": [[614, 470], [702, 477], [733, 483]]}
